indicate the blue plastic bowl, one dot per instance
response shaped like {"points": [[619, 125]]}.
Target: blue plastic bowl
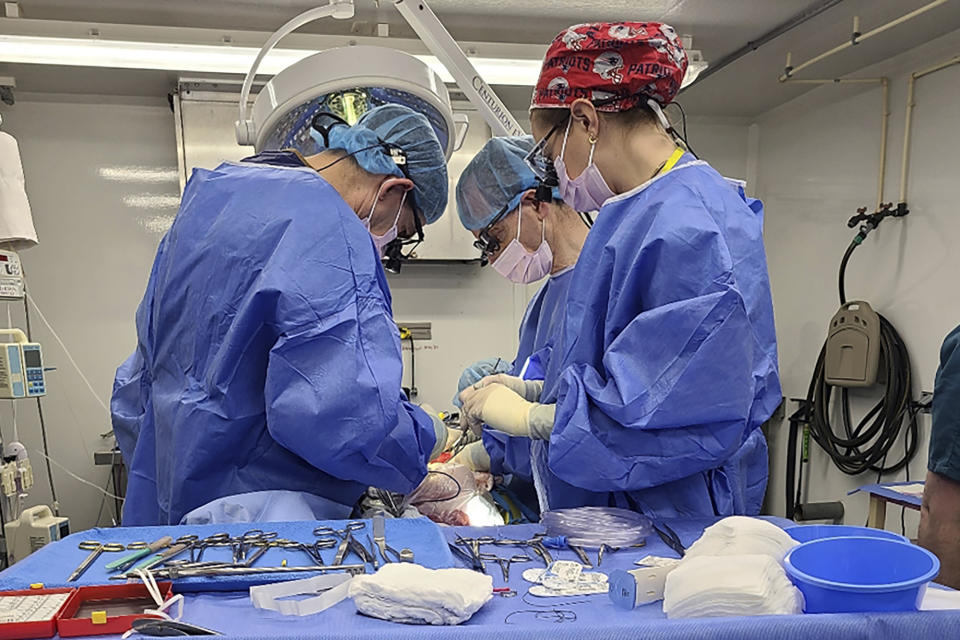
{"points": [[845, 575], [808, 532]]}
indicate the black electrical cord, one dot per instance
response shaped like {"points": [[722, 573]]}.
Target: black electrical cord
{"points": [[455, 481], [865, 447], [413, 366], [683, 125], [43, 425]]}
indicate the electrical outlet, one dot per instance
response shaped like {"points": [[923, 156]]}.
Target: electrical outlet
{"points": [[418, 330]]}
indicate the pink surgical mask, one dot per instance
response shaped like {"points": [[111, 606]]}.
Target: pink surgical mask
{"points": [[382, 241], [588, 191], [518, 265]]}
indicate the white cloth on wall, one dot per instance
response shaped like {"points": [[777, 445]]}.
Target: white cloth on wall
{"points": [[16, 221]]}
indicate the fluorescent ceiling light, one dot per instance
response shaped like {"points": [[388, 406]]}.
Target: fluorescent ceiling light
{"points": [[120, 54], [203, 58]]}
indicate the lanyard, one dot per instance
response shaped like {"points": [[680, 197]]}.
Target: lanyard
{"points": [[671, 161]]}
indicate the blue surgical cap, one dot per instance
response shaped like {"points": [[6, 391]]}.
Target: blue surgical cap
{"points": [[410, 131], [497, 177]]}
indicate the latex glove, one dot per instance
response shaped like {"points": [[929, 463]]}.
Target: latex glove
{"points": [[529, 390], [504, 410], [440, 430], [474, 456], [479, 370]]}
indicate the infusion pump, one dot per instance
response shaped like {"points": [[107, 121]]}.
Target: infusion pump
{"points": [[21, 367]]}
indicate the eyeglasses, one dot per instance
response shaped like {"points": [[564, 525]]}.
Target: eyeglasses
{"points": [[486, 243], [393, 253], [542, 166]]}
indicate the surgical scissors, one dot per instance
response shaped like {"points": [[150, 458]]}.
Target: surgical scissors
{"points": [[245, 540], [504, 562], [213, 540], [312, 550], [95, 548], [347, 541]]}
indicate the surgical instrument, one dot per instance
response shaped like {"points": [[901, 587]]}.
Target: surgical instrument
{"points": [[670, 538], [504, 562], [373, 552], [312, 550], [379, 534], [580, 554], [605, 548], [174, 572], [536, 543], [128, 561], [472, 560], [252, 537], [347, 541], [167, 554], [213, 540], [380, 539], [167, 628], [95, 549], [473, 544]]}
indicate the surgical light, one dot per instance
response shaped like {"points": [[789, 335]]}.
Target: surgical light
{"points": [[347, 81]]}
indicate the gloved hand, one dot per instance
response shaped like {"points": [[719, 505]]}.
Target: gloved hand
{"points": [[474, 456], [479, 370], [445, 435], [505, 410], [529, 390]]}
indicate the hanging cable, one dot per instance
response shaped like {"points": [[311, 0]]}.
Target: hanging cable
{"points": [[855, 450], [683, 126]]}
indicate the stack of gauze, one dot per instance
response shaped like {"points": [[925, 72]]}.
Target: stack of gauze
{"points": [[734, 569]]}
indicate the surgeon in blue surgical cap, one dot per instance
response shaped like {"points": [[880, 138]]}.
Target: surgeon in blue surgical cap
{"points": [[266, 378], [526, 236]]}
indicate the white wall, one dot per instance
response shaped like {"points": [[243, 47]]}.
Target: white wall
{"points": [[97, 239], [818, 161]]}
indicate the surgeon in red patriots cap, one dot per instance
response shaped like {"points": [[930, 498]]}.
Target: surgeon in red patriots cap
{"points": [[666, 363]]}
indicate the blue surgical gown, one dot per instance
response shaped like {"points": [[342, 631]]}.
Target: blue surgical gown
{"points": [[267, 357], [538, 331], [666, 365]]}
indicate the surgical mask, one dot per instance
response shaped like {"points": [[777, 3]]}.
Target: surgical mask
{"points": [[589, 190], [518, 265], [382, 241]]}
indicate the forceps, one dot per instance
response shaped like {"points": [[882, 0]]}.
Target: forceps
{"points": [[504, 562], [347, 541], [95, 549]]}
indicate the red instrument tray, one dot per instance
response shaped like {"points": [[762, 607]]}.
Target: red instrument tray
{"points": [[122, 603], [38, 629]]}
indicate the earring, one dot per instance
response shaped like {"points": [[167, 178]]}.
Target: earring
{"points": [[592, 139]]}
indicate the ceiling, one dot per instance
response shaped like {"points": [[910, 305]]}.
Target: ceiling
{"points": [[745, 88], [749, 87]]}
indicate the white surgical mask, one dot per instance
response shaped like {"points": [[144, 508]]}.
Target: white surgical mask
{"points": [[518, 265], [382, 241], [588, 191]]}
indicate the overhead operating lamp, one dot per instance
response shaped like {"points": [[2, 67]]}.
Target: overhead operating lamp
{"points": [[349, 81]]}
